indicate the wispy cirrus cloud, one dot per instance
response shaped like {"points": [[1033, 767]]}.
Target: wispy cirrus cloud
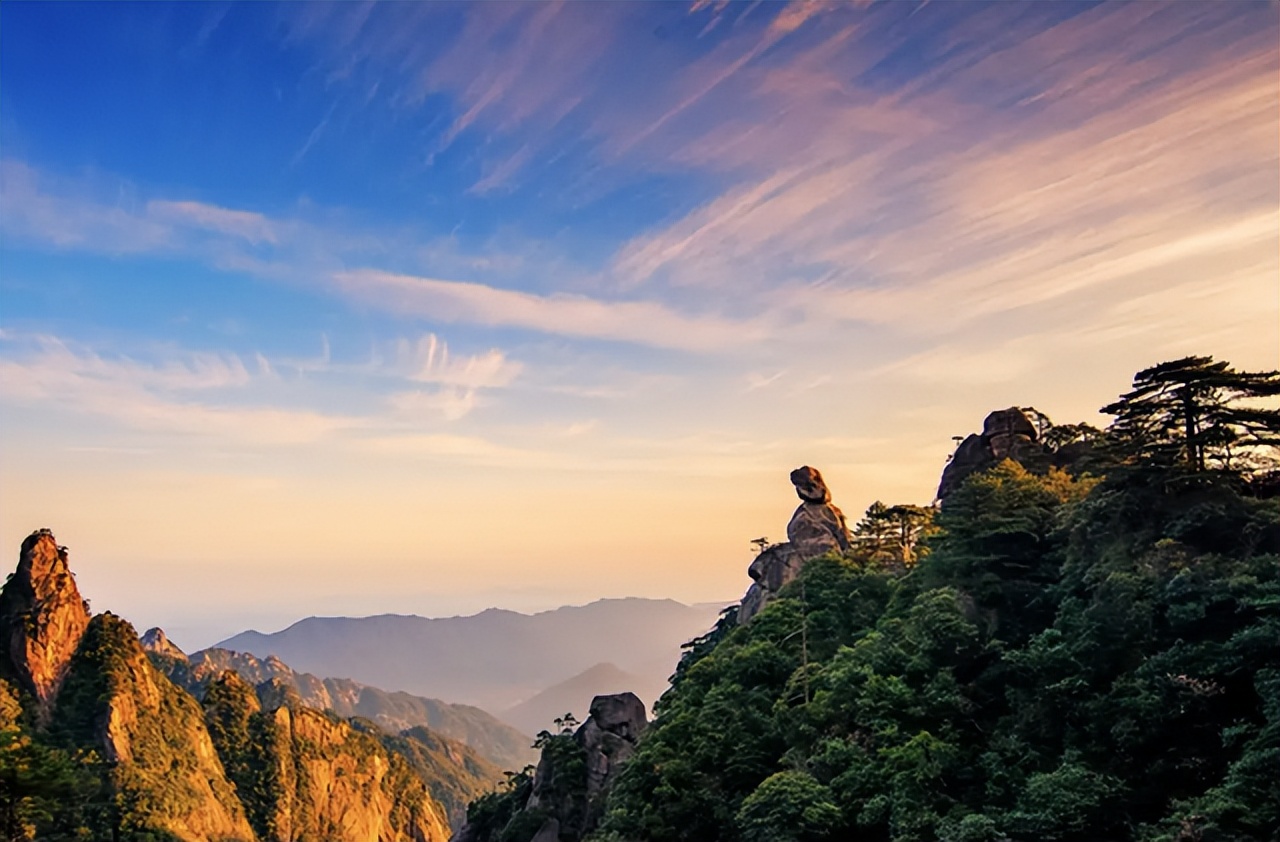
{"points": [[218, 396], [250, 226], [61, 215], [633, 321], [922, 210]]}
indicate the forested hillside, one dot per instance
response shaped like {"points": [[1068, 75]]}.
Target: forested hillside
{"points": [[1089, 653]]}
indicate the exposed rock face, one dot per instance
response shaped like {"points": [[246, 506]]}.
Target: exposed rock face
{"points": [[154, 736], [1006, 434], [816, 528], [572, 806], [609, 736], [42, 619], [341, 786], [309, 775]]}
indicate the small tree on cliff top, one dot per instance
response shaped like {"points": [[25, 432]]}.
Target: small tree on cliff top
{"points": [[1190, 411]]}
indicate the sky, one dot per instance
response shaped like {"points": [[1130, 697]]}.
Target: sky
{"points": [[347, 309]]}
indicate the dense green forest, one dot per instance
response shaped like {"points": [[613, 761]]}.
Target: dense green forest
{"points": [[1083, 654]]}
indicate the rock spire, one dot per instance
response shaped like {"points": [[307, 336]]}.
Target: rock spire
{"points": [[42, 619], [817, 527]]}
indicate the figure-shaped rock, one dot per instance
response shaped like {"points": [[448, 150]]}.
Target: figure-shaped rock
{"points": [[817, 527]]}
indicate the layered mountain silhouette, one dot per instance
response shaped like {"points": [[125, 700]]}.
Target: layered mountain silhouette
{"points": [[495, 659]]}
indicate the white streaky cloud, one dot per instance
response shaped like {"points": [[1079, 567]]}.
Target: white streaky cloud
{"points": [[156, 397], [62, 361], [217, 395], [32, 209], [428, 361], [138, 409], [251, 226], [641, 322], [910, 231]]}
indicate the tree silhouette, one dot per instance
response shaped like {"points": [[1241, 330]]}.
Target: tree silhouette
{"points": [[1192, 411]]}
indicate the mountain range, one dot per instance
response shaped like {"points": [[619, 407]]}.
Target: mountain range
{"points": [[495, 659]]}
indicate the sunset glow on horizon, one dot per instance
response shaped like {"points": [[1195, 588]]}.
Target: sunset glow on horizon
{"points": [[424, 308]]}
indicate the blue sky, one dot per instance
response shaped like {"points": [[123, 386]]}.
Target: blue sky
{"points": [[525, 304]]}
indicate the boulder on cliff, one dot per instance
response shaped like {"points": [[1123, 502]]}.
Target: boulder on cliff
{"points": [[816, 528], [42, 619], [1011, 434]]}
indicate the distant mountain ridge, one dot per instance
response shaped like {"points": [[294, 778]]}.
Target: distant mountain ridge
{"points": [[494, 659], [574, 695]]}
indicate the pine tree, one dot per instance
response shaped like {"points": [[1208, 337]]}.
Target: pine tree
{"points": [[1192, 411]]}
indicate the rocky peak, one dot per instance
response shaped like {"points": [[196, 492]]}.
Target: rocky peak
{"points": [[817, 527], [157, 642], [1006, 434], [42, 619]]}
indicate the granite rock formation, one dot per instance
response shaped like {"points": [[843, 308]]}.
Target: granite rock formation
{"points": [[326, 779], [817, 527], [42, 619], [1011, 434], [149, 764], [567, 793]]}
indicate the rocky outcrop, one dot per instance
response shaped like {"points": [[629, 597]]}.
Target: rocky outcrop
{"points": [[343, 786], [1011, 434], [609, 737], [1006, 434], [305, 775], [817, 527], [150, 762], [42, 619], [566, 797]]}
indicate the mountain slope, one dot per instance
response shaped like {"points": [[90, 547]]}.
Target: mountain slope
{"points": [[310, 775], [493, 659]]}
